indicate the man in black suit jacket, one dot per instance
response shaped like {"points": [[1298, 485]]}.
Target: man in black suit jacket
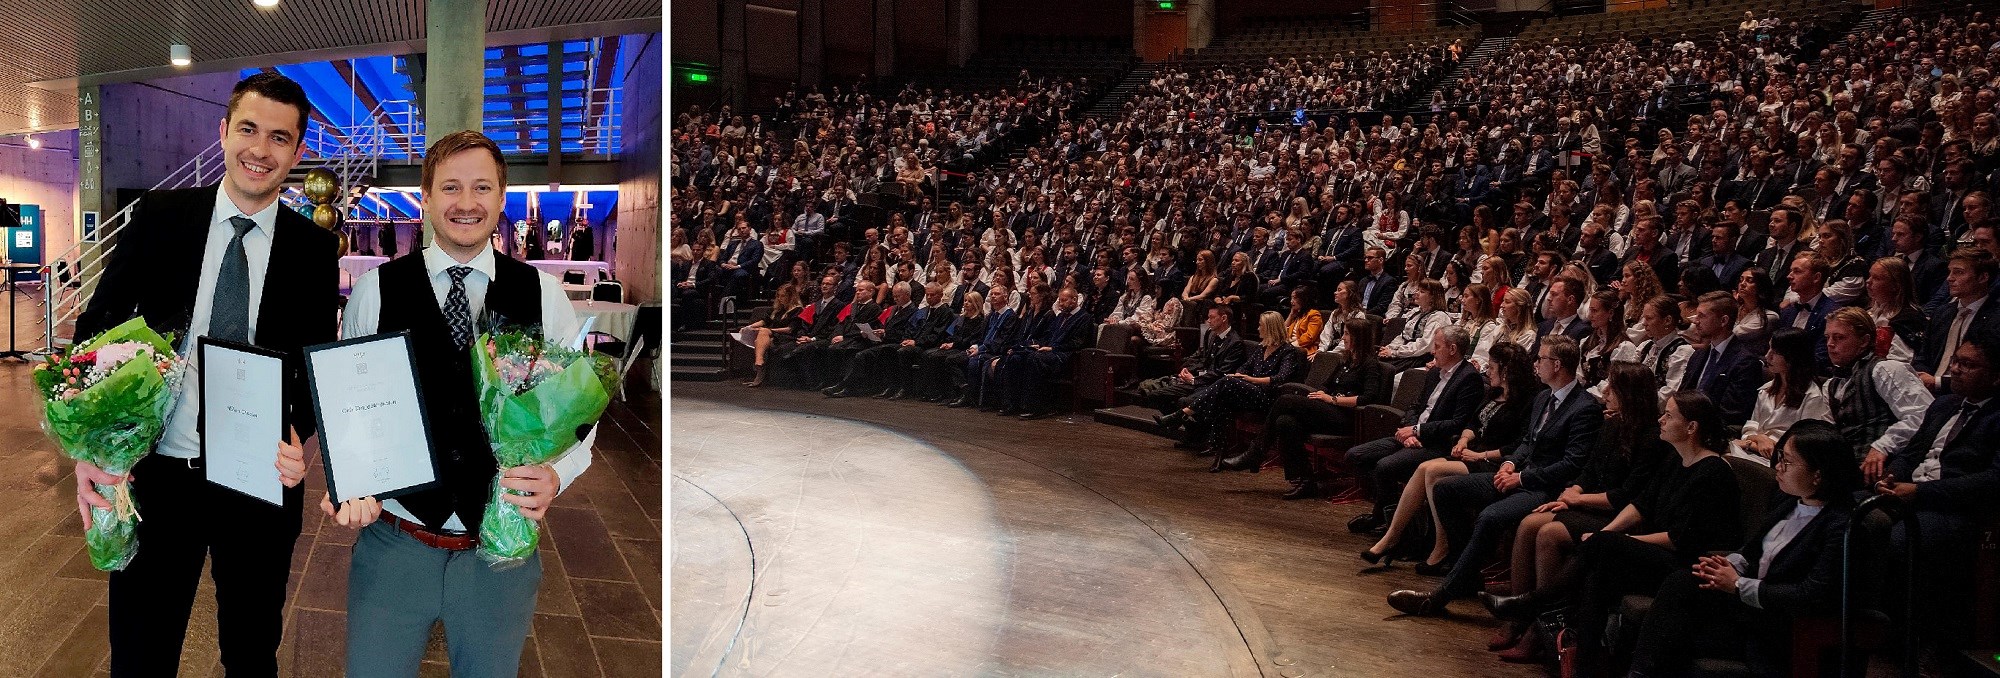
{"points": [[1949, 473], [1564, 301], [1221, 352], [1969, 280], [1776, 259], [865, 368], [741, 254], [693, 280], [191, 261], [1563, 427], [930, 328], [1722, 259], [1377, 286], [1720, 366], [1032, 370], [1452, 396]]}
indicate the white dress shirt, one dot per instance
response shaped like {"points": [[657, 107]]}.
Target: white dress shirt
{"points": [[1896, 382], [363, 316], [1932, 468], [180, 439], [1444, 381]]}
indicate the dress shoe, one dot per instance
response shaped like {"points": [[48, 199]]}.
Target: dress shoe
{"points": [[1416, 603], [1172, 419], [1508, 607], [1303, 490], [1032, 415], [893, 394], [1438, 569], [830, 390], [1008, 411], [1249, 460], [1363, 523], [1527, 651], [961, 402], [836, 392], [885, 393]]}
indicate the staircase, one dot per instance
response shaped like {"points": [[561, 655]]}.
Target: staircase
{"points": [[1870, 21], [1479, 55], [1111, 106], [706, 353]]}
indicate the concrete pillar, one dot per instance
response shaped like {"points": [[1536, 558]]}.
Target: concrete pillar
{"points": [[961, 21], [734, 68], [885, 38], [812, 42], [454, 70]]}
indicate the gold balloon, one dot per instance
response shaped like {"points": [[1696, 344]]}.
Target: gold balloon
{"points": [[321, 185], [326, 216], [343, 242]]}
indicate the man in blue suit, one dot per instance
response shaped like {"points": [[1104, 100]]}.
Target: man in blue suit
{"points": [[1949, 473], [1001, 324], [1720, 366], [739, 259], [1562, 428], [1564, 300], [1032, 369], [1969, 282], [1808, 277], [1377, 286]]}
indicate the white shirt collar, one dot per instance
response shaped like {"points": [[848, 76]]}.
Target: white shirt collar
{"points": [[1562, 394], [436, 261], [225, 209], [1974, 306]]}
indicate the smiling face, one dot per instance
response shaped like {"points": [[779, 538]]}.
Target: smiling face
{"points": [[260, 142], [463, 201]]}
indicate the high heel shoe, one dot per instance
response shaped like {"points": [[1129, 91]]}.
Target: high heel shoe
{"points": [[1434, 570], [757, 380], [1368, 555]]}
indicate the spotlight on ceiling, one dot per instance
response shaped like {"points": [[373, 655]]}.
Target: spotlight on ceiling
{"points": [[180, 55], [266, 4]]}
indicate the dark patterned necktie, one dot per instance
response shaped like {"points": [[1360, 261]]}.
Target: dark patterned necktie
{"points": [[229, 309], [458, 312]]}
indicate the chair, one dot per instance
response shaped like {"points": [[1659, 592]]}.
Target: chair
{"points": [[572, 277], [1327, 451], [1097, 372], [608, 290]]}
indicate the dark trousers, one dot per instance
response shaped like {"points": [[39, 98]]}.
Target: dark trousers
{"points": [[1292, 418], [1616, 565], [1686, 622], [831, 362], [943, 372], [797, 362], [736, 283], [1383, 465], [1475, 516], [187, 519], [982, 377], [1030, 379], [870, 369], [1946, 549], [906, 369]]}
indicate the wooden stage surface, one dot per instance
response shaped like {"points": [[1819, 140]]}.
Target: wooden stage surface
{"points": [[814, 536]]}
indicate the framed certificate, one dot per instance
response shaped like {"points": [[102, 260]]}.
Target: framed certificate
{"points": [[374, 439], [242, 416]]}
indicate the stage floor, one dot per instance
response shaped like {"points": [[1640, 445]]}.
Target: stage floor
{"points": [[817, 537]]}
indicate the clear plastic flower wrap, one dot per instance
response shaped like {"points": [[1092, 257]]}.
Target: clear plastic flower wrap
{"points": [[105, 402], [535, 399]]}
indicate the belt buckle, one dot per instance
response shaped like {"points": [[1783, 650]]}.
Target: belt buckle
{"points": [[194, 463]]}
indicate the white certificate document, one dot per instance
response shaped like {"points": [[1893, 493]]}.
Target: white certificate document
{"points": [[242, 417], [373, 436]]}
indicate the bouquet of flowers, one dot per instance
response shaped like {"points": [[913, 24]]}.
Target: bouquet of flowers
{"points": [[536, 399], [105, 401]]}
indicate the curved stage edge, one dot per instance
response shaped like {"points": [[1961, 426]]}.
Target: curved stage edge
{"points": [[805, 544]]}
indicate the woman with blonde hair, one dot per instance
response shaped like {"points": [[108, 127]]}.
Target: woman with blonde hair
{"points": [[1477, 316], [1249, 390], [784, 320]]}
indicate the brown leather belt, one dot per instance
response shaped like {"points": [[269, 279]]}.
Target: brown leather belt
{"points": [[448, 542]]}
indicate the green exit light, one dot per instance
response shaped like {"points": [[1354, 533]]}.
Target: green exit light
{"points": [[697, 77], [1166, 5]]}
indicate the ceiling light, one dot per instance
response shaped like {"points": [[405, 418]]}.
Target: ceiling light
{"points": [[266, 4], [180, 55], [33, 142]]}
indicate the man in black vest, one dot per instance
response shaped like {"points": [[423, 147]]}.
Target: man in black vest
{"points": [[415, 567], [263, 275]]}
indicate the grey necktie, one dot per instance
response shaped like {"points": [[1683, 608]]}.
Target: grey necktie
{"points": [[457, 311], [229, 309]]}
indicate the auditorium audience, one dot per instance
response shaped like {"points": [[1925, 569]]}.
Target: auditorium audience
{"points": [[1360, 381]]}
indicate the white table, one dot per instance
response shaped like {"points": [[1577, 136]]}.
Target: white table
{"points": [[576, 292], [557, 267], [356, 264], [613, 318]]}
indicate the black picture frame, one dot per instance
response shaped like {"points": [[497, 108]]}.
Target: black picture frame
{"points": [[201, 397], [416, 385]]}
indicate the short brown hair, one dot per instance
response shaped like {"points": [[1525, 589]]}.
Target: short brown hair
{"points": [[277, 88], [1564, 349], [458, 142]]}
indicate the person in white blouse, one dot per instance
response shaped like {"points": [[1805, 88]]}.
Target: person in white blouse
{"points": [[1412, 345], [1346, 304], [1792, 394], [411, 569]]}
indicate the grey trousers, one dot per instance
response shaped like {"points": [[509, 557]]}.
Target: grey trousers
{"points": [[398, 587]]}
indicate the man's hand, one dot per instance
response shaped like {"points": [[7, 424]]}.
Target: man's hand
{"points": [[87, 496], [1930, 380], [291, 459], [1903, 491], [1046, 348], [908, 342], [945, 346], [1506, 482], [356, 513], [1382, 352], [1185, 376], [802, 340], [839, 338], [541, 484], [972, 350], [1872, 464]]}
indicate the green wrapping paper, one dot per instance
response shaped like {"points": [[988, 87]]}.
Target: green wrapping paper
{"points": [[533, 427], [111, 425]]}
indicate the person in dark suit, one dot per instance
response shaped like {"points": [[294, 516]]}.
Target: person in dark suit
{"points": [[825, 319], [693, 280], [1359, 382], [1907, 240], [1452, 394], [1721, 366], [1785, 244], [1949, 473], [869, 364], [1969, 279], [1808, 277], [225, 261], [1003, 322], [1339, 247], [1563, 426], [940, 372], [1564, 300], [582, 243], [1032, 369], [1378, 287], [1723, 259], [831, 358], [1741, 605], [741, 254], [1646, 247], [1221, 352], [929, 328], [1596, 257], [1294, 266]]}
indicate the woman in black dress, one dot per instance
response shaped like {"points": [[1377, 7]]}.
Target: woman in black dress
{"points": [[783, 322], [1740, 606], [1628, 451], [1359, 382], [1511, 387], [1249, 390], [1689, 509]]}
